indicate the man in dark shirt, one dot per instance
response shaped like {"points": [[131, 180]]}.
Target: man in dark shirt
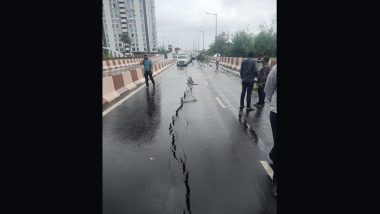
{"points": [[248, 73]]}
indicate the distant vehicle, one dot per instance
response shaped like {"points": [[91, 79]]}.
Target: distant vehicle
{"points": [[183, 59], [200, 57]]}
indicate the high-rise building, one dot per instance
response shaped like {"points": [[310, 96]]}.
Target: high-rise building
{"points": [[137, 17]]}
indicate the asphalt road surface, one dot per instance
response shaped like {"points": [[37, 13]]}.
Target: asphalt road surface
{"points": [[169, 149]]}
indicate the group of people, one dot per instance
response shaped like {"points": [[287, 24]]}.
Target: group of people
{"points": [[266, 80]]}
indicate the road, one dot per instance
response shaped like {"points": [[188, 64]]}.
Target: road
{"points": [[164, 152]]}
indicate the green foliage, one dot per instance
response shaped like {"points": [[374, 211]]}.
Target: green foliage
{"points": [[265, 42], [161, 50], [106, 55], [221, 46], [242, 43]]}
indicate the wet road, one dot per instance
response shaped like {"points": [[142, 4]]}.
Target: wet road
{"points": [[167, 151]]}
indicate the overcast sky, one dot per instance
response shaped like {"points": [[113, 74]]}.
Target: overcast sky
{"points": [[179, 20]]}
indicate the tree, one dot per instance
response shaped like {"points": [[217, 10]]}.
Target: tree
{"points": [[242, 43], [265, 42], [220, 46], [126, 40], [161, 50]]}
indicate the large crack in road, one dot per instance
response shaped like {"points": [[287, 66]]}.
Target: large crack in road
{"points": [[181, 158]]}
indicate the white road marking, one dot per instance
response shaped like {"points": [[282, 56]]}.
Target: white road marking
{"points": [[267, 168], [206, 83], [220, 102], [122, 100]]}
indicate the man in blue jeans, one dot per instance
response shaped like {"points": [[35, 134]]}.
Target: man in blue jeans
{"points": [[248, 73], [271, 96], [148, 67]]}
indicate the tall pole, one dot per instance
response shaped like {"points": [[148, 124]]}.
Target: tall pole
{"points": [[216, 23], [216, 26], [198, 41], [203, 41]]}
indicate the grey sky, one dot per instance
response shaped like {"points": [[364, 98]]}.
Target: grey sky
{"points": [[179, 20]]}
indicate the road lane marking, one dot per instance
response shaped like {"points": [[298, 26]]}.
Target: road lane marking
{"points": [[206, 83], [267, 168], [122, 100], [220, 102]]}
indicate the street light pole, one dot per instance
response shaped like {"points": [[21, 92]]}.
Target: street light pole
{"points": [[203, 39], [216, 23], [203, 43], [198, 42]]}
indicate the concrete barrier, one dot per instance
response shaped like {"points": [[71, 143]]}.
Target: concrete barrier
{"points": [[114, 64], [118, 82], [128, 82], [140, 76], [227, 61], [105, 67], [123, 62], [231, 62], [111, 65], [155, 70], [130, 61], [115, 85], [134, 75], [127, 62], [118, 63], [160, 67], [222, 60], [272, 61], [109, 92], [236, 65]]}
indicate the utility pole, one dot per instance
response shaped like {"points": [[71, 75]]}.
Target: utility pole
{"points": [[203, 39], [216, 23]]}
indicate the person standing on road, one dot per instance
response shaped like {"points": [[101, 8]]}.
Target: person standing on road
{"points": [[217, 63], [148, 68], [271, 96], [248, 73], [261, 79]]}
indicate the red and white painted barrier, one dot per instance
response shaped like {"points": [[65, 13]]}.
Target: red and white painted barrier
{"points": [[115, 85], [128, 82], [109, 92]]}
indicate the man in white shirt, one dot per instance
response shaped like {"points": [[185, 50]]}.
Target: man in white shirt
{"points": [[271, 97]]}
